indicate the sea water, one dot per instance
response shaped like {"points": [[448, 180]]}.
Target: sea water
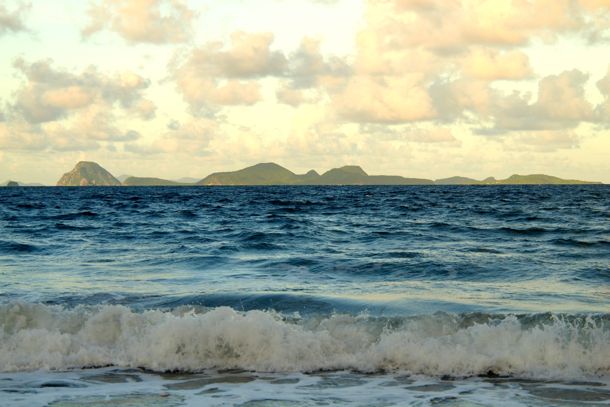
{"points": [[314, 296]]}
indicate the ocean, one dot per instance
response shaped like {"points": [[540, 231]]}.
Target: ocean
{"points": [[305, 296]]}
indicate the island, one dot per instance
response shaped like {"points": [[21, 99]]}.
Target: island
{"points": [[274, 174], [150, 181], [515, 179], [88, 173]]}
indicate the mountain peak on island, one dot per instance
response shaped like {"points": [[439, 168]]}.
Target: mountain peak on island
{"points": [[258, 174], [351, 169], [267, 166], [88, 173]]}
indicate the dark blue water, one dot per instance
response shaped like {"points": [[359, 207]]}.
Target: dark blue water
{"points": [[407, 293], [407, 249]]}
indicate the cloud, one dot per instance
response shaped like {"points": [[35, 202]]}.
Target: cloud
{"points": [[22, 136], [421, 60], [433, 135], [462, 100], [293, 97], [411, 132], [390, 99], [544, 141], [597, 20], [604, 84], [321, 140], [561, 104], [603, 110], [143, 108], [93, 127], [70, 97], [491, 64], [214, 75], [207, 94], [142, 21], [12, 21], [248, 56], [190, 138], [94, 123], [58, 110], [419, 68], [308, 72], [50, 94], [562, 97], [449, 25], [309, 68]]}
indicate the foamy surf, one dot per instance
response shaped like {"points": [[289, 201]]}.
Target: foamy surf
{"points": [[543, 346]]}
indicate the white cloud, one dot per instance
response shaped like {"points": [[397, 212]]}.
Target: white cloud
{"points": [[12, 21], [545, 141], [603, 110], [561, 104], [213, 75], [249, 55], [58, 110], [449, 25], [491, 64], [425, 134], [142, 21], [21, 136], [50, 94], [191, 138], [389, 99], [310, 68]]}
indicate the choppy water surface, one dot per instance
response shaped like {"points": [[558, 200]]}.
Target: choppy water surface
{"points": [[305, 295]]}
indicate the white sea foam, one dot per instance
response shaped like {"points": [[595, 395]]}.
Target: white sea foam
{"points": [[34, 336]]}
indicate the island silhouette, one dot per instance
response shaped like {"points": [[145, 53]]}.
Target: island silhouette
{"points": [[88, 173]]}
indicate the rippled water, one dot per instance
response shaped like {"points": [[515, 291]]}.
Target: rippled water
{"points": [[421, 286]]}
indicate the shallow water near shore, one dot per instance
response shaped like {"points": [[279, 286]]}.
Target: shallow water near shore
{"points": [[133, 387], [255, 296]]}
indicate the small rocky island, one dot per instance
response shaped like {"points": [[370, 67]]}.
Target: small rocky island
{"points": [[88, 173]]}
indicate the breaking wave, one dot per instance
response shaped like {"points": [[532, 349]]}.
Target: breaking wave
{"points": [[36, 336]]}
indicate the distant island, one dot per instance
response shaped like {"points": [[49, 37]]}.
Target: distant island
{"points": [[87, 173], [147, 181], [11, 183]]}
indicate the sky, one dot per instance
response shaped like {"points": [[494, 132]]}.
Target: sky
{"points": [[419, 88]]}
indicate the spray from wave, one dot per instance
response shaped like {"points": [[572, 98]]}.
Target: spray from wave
{"points": [[35, 336]]}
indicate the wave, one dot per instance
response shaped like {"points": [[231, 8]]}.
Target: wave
{"points": [[17, 247], [36, 336], [582, 243], [74, 215]]}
